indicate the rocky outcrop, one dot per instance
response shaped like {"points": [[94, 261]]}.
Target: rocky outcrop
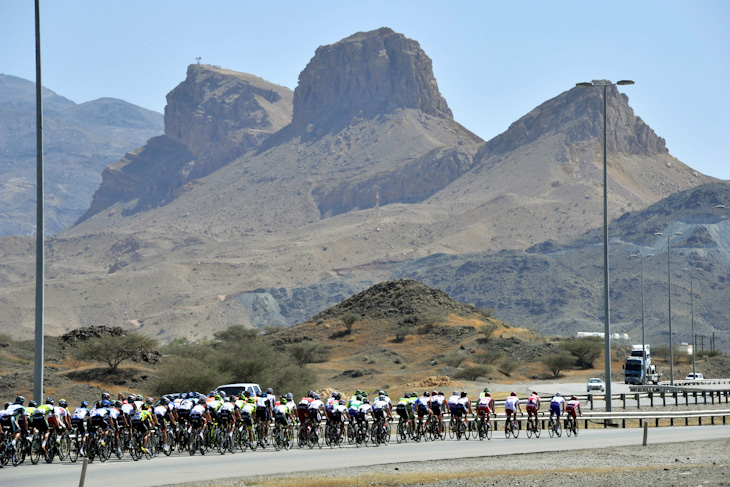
{"points": [[220, 114], [364, 75], [577, 115], [409, 183], [211, 118]]}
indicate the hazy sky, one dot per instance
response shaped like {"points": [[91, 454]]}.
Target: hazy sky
{"points": [[494, 60]]}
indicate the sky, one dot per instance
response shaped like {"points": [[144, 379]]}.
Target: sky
{"points": [[494, 60]]}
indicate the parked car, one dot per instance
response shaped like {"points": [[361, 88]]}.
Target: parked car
{"points": [[238, 388], [696, 376], [595, 384]]}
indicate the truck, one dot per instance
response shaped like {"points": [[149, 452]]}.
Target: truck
{"points": [[638, 368]]}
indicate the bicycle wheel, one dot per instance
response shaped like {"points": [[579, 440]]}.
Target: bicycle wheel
{"points": [[568, 427], [452, 428], [489, 429], [575, 427], [516, 429], [19, 453], [386, 432], [507, 429], [400, 432], [528, 428], [35, 449], [536, 428]]}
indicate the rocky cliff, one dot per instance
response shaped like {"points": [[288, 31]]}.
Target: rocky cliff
{"points": [[211, 118], [364, 75]]}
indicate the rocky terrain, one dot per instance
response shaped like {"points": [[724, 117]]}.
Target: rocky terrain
{"points": [[288, 213], [79, 141]]}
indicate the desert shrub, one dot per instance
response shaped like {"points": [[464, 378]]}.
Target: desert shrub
{"points": [[585, 350], [557, 362], [507, 366], [113, 350], [5, 340], [700, 354], [181, 347], [489, 357], [349, 319], [401, 332], [307, 352], [486, 312], [453, 359], [488, 331], [473, 373], [181, 374]]}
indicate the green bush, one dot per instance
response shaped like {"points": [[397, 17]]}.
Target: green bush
{"points": [[182, 374], [557, 362], [585, 350], [473, 373], [349, 319], [507, 366], [488, 331], [307, 352], [113, 350]]}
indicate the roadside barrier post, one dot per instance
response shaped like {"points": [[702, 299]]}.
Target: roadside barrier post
{"points": [[623, 399], [83, 472], [636, 397], [646, 431]]}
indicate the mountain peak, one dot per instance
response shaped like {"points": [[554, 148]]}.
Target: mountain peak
{"points": [[365, 75]]}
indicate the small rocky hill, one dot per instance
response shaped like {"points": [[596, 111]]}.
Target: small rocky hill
{"points": [[79, 141]]}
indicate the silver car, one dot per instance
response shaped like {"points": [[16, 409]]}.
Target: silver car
{"points": [[595, 384]]}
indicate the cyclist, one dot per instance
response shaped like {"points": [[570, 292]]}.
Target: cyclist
{"points": [[248, 412], [557, 406], [330, 404], [511, 405], [485, 405], [316, 408], [453, 401], [362, 413], [463, 406], [405, 410], [303, 407], [40, 420], [283, 417], [143, 421], [164, 413], [64, 417], [573, 406], [533, 406], [437, 408], [14, 418], [100, 419], [118, 421], [381, 409], [339, 413], [423, 407], [353, 405]]}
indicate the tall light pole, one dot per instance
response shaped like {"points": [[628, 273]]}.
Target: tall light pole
{"points": [[669, 285], [643, 328], [692, 307], [606, 308]]}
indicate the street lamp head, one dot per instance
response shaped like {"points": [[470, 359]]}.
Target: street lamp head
{"points": [[659, 234], [625, 82], [584, 84], [720, 207], [677, 234]]}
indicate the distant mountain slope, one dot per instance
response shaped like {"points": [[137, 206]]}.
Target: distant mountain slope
{"points": [[79, 141], [320, 204]]}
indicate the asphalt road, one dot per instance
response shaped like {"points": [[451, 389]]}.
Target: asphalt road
{"points": [[183, 468]]}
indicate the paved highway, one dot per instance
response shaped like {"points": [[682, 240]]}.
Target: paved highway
{"points": [[183, 468]]}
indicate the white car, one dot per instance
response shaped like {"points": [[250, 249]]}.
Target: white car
{"points": [[595, 384], [696, 376]]}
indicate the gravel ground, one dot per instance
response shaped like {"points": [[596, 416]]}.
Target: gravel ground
{"points": [[704, 463]]}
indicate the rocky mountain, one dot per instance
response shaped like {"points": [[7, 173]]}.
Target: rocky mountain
{"points": [[365, 182], [79, 141]]}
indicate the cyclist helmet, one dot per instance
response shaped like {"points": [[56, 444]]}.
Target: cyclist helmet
{"points": [[164, 401], [251, 400], [358, 397], [131, 398], [191, 394], [487, 394], [7, 405], [145, 407], [117, 404], [366, 401], [558, 394], [381, 397], [427, 394], [289, 396], [247, 394], [573, 398], [342, 402], [414, 394], [535, 393], [201, 401], [62, 403], [149, 401], [32, 404], [84, 404], [513, 394], [486, 389], [463, 393], [49, 400], [106, 404], [218, 397], [105, 396], [385, 393], [407, 395], [434, 393], [19, 400], [269, 391]]}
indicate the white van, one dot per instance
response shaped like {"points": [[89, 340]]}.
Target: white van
{"points": [[692, 376], [228, 390]]}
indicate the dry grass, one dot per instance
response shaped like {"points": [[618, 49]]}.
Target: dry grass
{"points": [[419, 478]]}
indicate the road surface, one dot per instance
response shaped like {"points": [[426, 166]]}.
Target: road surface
{"points": [[180, 468]]}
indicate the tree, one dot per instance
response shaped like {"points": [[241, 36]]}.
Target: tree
{"points": [[113, 350], [182, 374], [585, 350], [307, 352], [557, 362], [488, 331], [348, 320]]}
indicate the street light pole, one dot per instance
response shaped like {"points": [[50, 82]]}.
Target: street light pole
{"points": [[692, 307], [669, 285], [643, 328], [606, 307]]}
